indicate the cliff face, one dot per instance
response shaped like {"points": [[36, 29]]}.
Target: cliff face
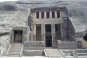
{"points": [[16, 13], [10, 12]]}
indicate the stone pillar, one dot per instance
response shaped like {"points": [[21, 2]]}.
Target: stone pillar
{"points": [[45, 15], [12, 37], [55, 14], [43, 32], [40, 15], [50, 14], [53, 35], [34, 32]]}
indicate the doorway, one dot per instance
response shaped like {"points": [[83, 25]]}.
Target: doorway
{"points": [[18, 36], [48, 41]]}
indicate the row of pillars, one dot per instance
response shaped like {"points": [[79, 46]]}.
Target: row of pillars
{"points": [[50, 14], [43, 32]]}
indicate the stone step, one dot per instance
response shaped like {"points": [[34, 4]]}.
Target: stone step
{"points": [[81, 51], [17, 46], [52, 52], [55, 57], [13, 53], [15, 50], [82, 54]]}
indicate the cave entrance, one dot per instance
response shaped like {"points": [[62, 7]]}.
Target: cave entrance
{"points": [[18, 36], [85, 37]]}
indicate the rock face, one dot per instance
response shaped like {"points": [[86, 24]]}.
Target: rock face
{"points": [[10, 13], [16, 13]]}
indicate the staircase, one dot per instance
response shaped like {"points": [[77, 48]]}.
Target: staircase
{"points": [[15, 50], [81, 53], [53, 53]]}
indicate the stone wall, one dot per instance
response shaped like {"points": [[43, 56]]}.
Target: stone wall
{"points": [[67, 44], [68, 32]]}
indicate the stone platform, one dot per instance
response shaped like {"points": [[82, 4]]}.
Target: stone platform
{"points": [[53, 53]]}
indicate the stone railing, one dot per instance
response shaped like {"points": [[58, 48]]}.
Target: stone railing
{"points": [[33, 52], [81, 50], [67, 44], [33, 48], [34, 45]]}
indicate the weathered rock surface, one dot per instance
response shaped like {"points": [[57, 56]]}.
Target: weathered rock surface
{"points": [[16, 13]]}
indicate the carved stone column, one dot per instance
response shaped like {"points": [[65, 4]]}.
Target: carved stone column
{"points": [[53, 35], [50, 14], [43, 32], [34, 32], [55, 14], [45, 15]]}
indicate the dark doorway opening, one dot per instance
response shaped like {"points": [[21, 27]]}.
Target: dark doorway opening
{"points": [[53, 14], [48, 15], [18, 36], [48, 28], [85, 37], [48, 41], [37, 15]]}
